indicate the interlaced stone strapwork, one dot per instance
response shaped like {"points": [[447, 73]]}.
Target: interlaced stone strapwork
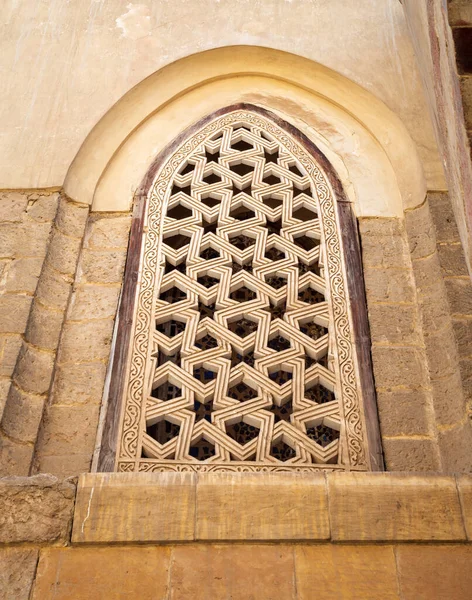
{"points": [[235, 361]]}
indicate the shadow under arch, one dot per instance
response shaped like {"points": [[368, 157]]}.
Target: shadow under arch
{"points": [[182, 93]]}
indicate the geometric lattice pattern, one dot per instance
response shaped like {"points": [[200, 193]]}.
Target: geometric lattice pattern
{"points": [[236, 364]]}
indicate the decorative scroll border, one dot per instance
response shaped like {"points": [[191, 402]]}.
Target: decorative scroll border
{"points": [[132, 416]]}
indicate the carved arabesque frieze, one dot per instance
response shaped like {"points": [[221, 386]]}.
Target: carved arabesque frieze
{"points": [[242, 355]]}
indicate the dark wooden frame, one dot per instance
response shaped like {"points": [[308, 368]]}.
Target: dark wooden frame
{"points": [[355, 282]]}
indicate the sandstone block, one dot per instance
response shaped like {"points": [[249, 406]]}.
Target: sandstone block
{"points": [[441, 351], [34, 369], [452, 260], [12, 206], [35, 509], [399, 367], [53, 288], [103, 573], [454, 445], [381, 226], [63, 252], [44, 326], [42, 208], [15, 309], [448, 399], [17, 570], [394, 324], [23, 275], [15, 457], [22, 415], [67, 465], [435, 309], [420, 230], [466, 88], [404, 412], [4, 389], [427, 273], [94, 302], [11, 348], [79, 384], [434, 572], [463, 335], [389, 285], [82, 342], [109, 232], [464, 485], [102, 266], [393, 506], [411, 455], [135, 507], [32, 239], [235, 571], [273, 506], [9, 240], [71, 217], [347, 572], [385, 252], [459, 293], [68, 430], [443, 217]]}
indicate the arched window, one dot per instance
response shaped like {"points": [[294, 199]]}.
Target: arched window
{"points": [[243, 340]]}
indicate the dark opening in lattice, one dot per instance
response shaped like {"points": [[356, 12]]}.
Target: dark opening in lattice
{"points": [[208, 226], [203, 411], [271, 179], [319, 394], [202, 449], [282, 451], [243, 294], [307, 243], [179, 212], [295, 170], [181, 268], [311, 296], [242, 327], [210, 202], [276, 312], [209, 254], [322, 434], [212, 156], [206, 311], [313, 330], [162, 358], [276, 281], [204, 375], [242, 392], [275, 254], [280, 377], [166, 391], [211, 178], [171, 328], [163, 432], [242, 241], [247, 189], [272, 202], [271, 157], [298, 190], [279, 343], [282, 413], [207, 342], [242, 169], [242, 213], [304, 214], [207, 281], [242, 432], [274, 227], [237, 358], [242, 146], [312, 268], [177, 241], [188, 168], [236, 267], [173, 294]]}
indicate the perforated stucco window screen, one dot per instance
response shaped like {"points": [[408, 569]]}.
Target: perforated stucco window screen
{"points": [[241, 353]]}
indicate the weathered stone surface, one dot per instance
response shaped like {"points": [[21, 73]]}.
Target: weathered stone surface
{"points": [[23, 275], [405, 412], [103, 573], [235, 571], [42, 208], [463, 335], [83, 342], [79, 384], [102, 266], [452, 260], [35, 509], [411, 455], [399, 367], [435, 309], [263, 506], [466, 88], [420, 230], [17, 570], [459, 293], [464, 485], [67, 465], [112, 232], [68, 430], [44, 326], [53, 288], [94, 302], [448, 399], [455, 444], [34, 369], [71, 217], [63, 252], [427, 273], [441, 351], [4, 389], [459, 12], [394, 324], [15, 309], [139, 507], [12, 206], [347, 572], [434, 572], [22, 415], [383, 250], [15, 457], [11, 347], [393, 506], [443, 218], [389, 285]]}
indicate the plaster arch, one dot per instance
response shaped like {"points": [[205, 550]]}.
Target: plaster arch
{"points": [[367, 143]]}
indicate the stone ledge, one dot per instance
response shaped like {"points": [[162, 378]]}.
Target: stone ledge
{"points": [[342, 507]]}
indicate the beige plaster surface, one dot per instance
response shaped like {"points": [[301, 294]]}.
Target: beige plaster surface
{"points": [[65, 64]]}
